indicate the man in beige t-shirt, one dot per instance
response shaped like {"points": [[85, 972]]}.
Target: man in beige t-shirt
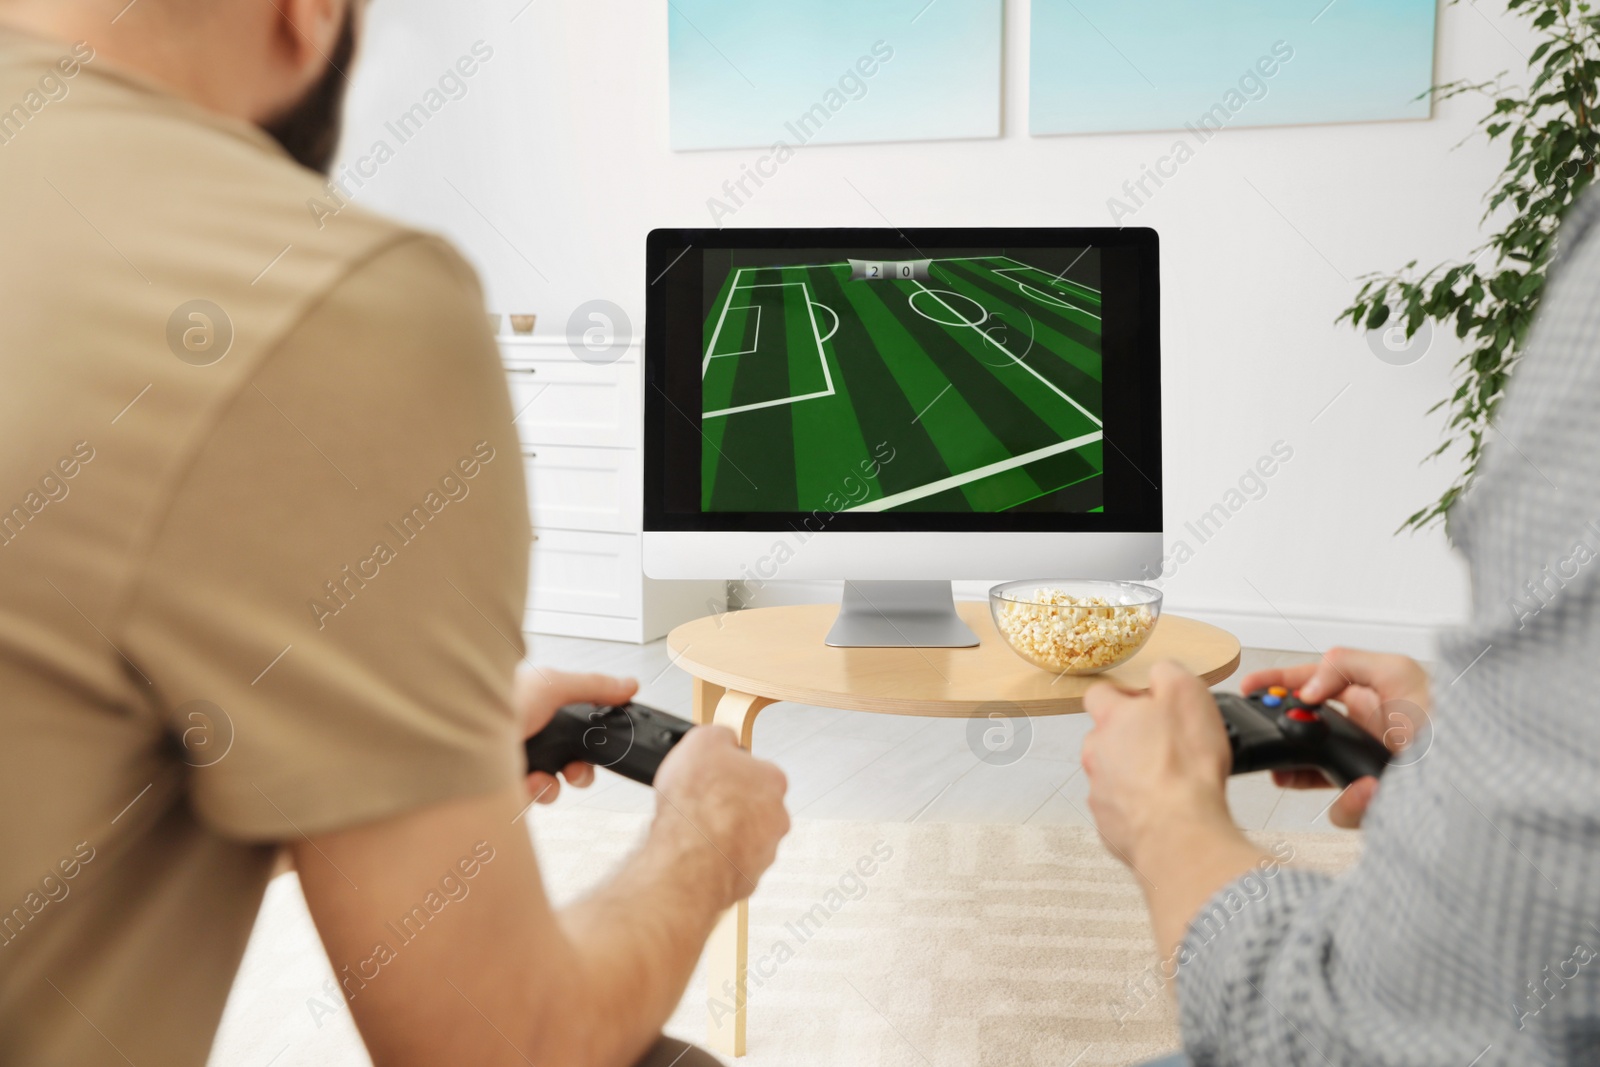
{"points": [[263, 555]]}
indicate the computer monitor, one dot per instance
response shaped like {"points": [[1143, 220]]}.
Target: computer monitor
{"points": [[900, 408]]}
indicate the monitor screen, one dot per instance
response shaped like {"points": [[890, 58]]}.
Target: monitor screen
{"points": [[916, 380]]}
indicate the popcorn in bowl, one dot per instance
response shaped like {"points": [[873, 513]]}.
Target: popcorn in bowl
{"points": [[1075, 627]]}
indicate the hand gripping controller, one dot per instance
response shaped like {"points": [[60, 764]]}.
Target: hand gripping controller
{"points": [[1271, 729], [630, 739]]}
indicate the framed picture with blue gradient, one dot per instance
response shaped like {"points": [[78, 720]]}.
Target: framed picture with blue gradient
{"points": [[776, 76], [1110, 66]]}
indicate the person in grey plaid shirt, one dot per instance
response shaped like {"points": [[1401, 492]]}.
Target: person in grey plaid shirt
{"points": [[1468, 933]]}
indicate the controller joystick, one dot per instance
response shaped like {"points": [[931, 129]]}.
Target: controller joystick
{"points": [[631, 739], [1272, 729]]}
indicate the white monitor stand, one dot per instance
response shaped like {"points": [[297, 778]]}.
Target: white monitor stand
{"points": [[905, 614], [911, 603]]}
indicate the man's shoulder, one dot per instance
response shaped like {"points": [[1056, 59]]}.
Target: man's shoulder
{"points": [[203, 206], [192, 186], [231, 183], [152, 244]]}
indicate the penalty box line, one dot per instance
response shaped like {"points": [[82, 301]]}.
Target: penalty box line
{"points": [[822, 356], [1038, 294], [711, 349], [705, 365], [742, 352], [1053, 277], [955, 481]]}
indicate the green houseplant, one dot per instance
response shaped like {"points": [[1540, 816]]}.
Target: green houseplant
{"points": [[1548, 127]]}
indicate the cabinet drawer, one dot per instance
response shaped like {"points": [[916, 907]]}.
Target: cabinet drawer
{"points": [[583, 488], [569, 402], [589, 573]]}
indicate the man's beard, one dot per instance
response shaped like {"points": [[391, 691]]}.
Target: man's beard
{"points": [[309, 130]]}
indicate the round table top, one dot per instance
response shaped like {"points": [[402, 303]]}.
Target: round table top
{"points": [[779, 653]]}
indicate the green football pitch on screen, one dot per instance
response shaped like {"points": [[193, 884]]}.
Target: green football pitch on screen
{"points": [[942, 385]]}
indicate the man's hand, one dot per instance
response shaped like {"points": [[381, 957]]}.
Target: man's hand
{"points": [[1157, 764], [720, 804], [540, 692], [499, 977], [1386, 695], [1154, 759]]}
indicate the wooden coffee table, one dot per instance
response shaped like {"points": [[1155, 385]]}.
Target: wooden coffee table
{"points": [[744, 661]]}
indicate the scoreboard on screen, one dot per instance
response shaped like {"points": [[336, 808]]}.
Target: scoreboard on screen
{"points": [[898, 270]]}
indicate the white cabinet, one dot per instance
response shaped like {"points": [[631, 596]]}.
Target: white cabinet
{"points": [[583, 572], [560, 400], [579, 424], [573, 488]]}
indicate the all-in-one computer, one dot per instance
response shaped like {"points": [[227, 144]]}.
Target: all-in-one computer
{"points": [[898, 409]]}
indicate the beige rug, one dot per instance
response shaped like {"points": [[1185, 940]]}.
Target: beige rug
{"points": [[967, 944]]}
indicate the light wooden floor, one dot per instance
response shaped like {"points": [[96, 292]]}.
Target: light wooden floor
{"points": [[853, 765]]}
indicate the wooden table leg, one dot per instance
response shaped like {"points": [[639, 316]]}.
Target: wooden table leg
{"points": [[706, 696], [727, 952]]}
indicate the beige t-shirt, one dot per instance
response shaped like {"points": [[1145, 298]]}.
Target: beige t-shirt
{"points": [[262, 559]]}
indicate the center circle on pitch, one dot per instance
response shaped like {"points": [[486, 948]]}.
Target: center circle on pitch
{"points": [[942, 300]]}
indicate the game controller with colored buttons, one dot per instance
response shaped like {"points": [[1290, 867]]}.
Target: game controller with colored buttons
{"points": [[631, 739], [1272, 729]]}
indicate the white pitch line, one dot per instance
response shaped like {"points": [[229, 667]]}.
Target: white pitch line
{"points": [[1045, 298], [747, 351], [811, 313], [835, 315], [1048, 384], [949, 292], [827, 375], [767, 404], [956, 480], [1040, 295], [706, 365], [1053, 277], [846, 263], [935, 259]]}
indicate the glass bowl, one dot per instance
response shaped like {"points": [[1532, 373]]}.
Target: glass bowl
{"points": [[1075, 627]]}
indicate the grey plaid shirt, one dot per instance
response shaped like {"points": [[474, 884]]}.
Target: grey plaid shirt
{"points": [[1469, 932]]}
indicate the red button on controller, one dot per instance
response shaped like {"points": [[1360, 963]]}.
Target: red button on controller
{"points": [[1303, 715]]}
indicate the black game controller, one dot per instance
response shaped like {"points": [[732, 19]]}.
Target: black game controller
{"points": [[630, 739], [1274, 730]]}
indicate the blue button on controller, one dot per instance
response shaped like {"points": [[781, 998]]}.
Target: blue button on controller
{"points": [[1272, 701]]}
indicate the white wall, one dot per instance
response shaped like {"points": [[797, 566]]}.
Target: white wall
{"points": [[554, 165]]}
